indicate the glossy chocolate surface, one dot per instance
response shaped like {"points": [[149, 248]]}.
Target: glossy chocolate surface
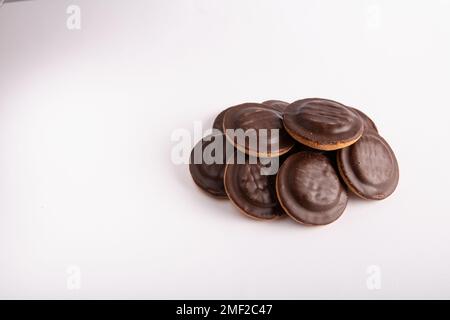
{"points": [[258, 116], [322, 124], [251, 191], [369, 167], [309, 189]]}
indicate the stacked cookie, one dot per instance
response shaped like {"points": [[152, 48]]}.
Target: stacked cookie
{"points": [[322, 148]]}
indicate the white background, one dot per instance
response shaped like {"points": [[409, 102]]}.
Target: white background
{"points": [[86, 117]]}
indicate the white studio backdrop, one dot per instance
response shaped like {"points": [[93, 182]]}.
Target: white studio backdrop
{"points": [[91, 205]]}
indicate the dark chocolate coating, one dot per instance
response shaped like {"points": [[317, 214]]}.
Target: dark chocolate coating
{"points": [[309, 189], [369, 125], [276, 104], [218, 121], [322, 124], [209, 177], [253, 193], [258, 116], [369, 167]]}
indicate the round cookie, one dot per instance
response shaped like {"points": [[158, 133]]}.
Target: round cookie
{"points": [[322, 124], [309, 189], [251, 191], [369, 167], [276, 104], [250, 118], [368, 123], [207, 173]]}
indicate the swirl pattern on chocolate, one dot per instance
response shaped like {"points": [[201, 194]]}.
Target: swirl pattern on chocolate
{"points": [[309, 189], [251, 191]]}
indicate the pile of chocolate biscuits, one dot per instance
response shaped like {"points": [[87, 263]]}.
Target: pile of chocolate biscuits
{"points": [[323, 147]]}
